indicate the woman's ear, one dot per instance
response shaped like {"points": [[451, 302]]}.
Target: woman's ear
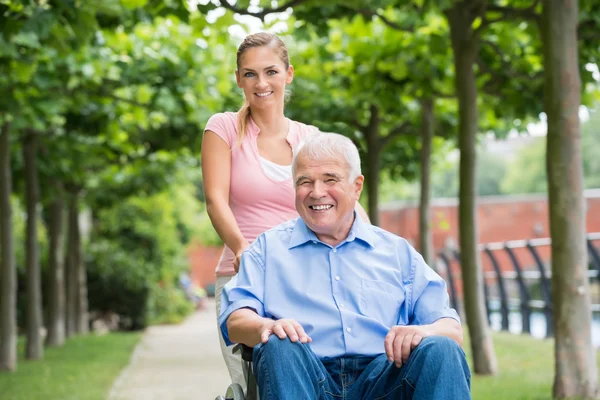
{"points": [[237, 78], [290, 75]]}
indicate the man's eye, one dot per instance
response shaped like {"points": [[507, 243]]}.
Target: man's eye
{"points": [[304, 183], [331, 181]]}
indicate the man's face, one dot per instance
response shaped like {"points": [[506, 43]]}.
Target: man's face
{"points": [[325, 198]]}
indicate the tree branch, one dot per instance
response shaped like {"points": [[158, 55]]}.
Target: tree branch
{"points": [[527, 13], [442, 95], [396, 131], [384, 19], [260, 14], [354, 122], [508, 12], [123, 100], [588, 30]]}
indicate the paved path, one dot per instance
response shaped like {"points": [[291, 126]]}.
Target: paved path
{"points": [[179, 362]]}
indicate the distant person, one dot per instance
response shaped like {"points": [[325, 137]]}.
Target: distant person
{"points": [[338, 308], [246, 161]]}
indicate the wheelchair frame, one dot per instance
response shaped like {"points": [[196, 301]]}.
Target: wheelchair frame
{"points": [[234, 391]]}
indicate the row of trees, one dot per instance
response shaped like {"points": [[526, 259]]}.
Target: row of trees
{"points": [[100, 112], [385, 67], [114, 94]]}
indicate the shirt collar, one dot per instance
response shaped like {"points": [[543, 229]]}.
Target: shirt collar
{"points": [[292, 136], [360, 230]]}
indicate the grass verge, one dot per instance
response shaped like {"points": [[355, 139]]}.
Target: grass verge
{"points": [[525, 369], [83, 369]]}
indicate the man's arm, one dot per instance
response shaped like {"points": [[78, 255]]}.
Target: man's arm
{"points": [[247, 327], [402, 339]]}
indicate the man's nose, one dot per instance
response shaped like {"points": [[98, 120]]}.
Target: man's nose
{"points": [[318, 190]]}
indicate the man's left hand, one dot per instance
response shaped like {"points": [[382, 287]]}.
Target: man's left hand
{"points": [[401, 340]]}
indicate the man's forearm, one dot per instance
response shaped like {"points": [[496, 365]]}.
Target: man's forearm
{"points": [[245, 326], [447, 327]]}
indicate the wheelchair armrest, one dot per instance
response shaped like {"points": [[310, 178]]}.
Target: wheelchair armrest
{"points": [[246, 351]]}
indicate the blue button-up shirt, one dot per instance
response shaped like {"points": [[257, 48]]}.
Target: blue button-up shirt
{"points": [[346, 297]]}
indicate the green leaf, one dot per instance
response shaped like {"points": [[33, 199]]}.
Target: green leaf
{"points": [[132, 4], [23, 71], [26, 39]]}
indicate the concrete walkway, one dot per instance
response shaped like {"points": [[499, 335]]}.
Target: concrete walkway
{"points": [[179, 362]]}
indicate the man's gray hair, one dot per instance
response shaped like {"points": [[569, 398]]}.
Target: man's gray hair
{"points": [[327, 145]]}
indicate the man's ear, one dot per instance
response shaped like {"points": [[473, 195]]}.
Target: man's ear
{"points": [[358, 185]]}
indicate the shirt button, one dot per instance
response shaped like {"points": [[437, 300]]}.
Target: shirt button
{"points": [[337, 278], [334, 250], [342, 305], [348, 330]]}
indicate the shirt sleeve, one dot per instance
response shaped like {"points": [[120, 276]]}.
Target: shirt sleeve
{"points": [[224, 125], [246, 289], [429, 296]]}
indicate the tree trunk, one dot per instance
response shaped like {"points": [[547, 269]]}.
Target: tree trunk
{"points": [[575, 357], [8, 277], [34, 349], [465, 46], [82, 303], [425, 239], [77, 304], [71, 267], [373, 165], [56, 287]]}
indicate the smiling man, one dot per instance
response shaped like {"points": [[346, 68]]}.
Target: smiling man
{"points": [[338, 308]]}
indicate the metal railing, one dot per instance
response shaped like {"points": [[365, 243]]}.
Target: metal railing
{"points": [[505, 264]]}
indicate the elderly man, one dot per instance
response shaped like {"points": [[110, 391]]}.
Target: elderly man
{"points": [[337, 308]]}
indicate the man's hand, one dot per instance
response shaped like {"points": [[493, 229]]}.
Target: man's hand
{"points": [[283, 328], [401, 340]]}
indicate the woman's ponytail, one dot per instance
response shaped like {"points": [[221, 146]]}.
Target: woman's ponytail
{"points": [[242, 120]]}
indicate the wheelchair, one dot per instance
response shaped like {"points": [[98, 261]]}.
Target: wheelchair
{"points": [[235, 391]]}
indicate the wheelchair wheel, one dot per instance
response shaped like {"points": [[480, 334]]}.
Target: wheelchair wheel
{"points": [[235, 392]]}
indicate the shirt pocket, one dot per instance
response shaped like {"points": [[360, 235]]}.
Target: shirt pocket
{"points": [[381, 301]]}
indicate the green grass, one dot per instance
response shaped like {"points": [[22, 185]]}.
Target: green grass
{"points": [[83, 369], [86, 367], [525, 369]]}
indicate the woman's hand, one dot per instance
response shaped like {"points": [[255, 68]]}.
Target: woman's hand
{"points": [[238, 257]]}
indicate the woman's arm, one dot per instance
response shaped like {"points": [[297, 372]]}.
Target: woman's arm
{"points": [[216, 177]]}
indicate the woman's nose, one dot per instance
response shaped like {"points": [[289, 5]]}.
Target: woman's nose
{"points": [[261, 83]]}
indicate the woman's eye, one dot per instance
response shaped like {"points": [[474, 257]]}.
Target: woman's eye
{"points": [[249, 74], [271, 72]]}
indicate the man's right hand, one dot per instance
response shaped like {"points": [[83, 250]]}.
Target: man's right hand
{"points": [[283, 328]]}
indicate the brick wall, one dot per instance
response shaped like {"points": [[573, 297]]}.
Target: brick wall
{"points": [[203, 261], [500, 218]]}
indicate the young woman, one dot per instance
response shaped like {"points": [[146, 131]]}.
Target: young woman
{"points": [[246, 161]]}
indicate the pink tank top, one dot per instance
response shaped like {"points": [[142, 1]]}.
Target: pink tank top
{"points": [[258, 202]]}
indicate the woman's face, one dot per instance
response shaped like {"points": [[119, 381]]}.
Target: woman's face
{"points": [[263, 76]]}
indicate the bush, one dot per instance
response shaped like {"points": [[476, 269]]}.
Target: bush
{"points": [[136, 254]]}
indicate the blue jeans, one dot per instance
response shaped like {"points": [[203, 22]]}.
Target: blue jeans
{"points": [[436, 370]]}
